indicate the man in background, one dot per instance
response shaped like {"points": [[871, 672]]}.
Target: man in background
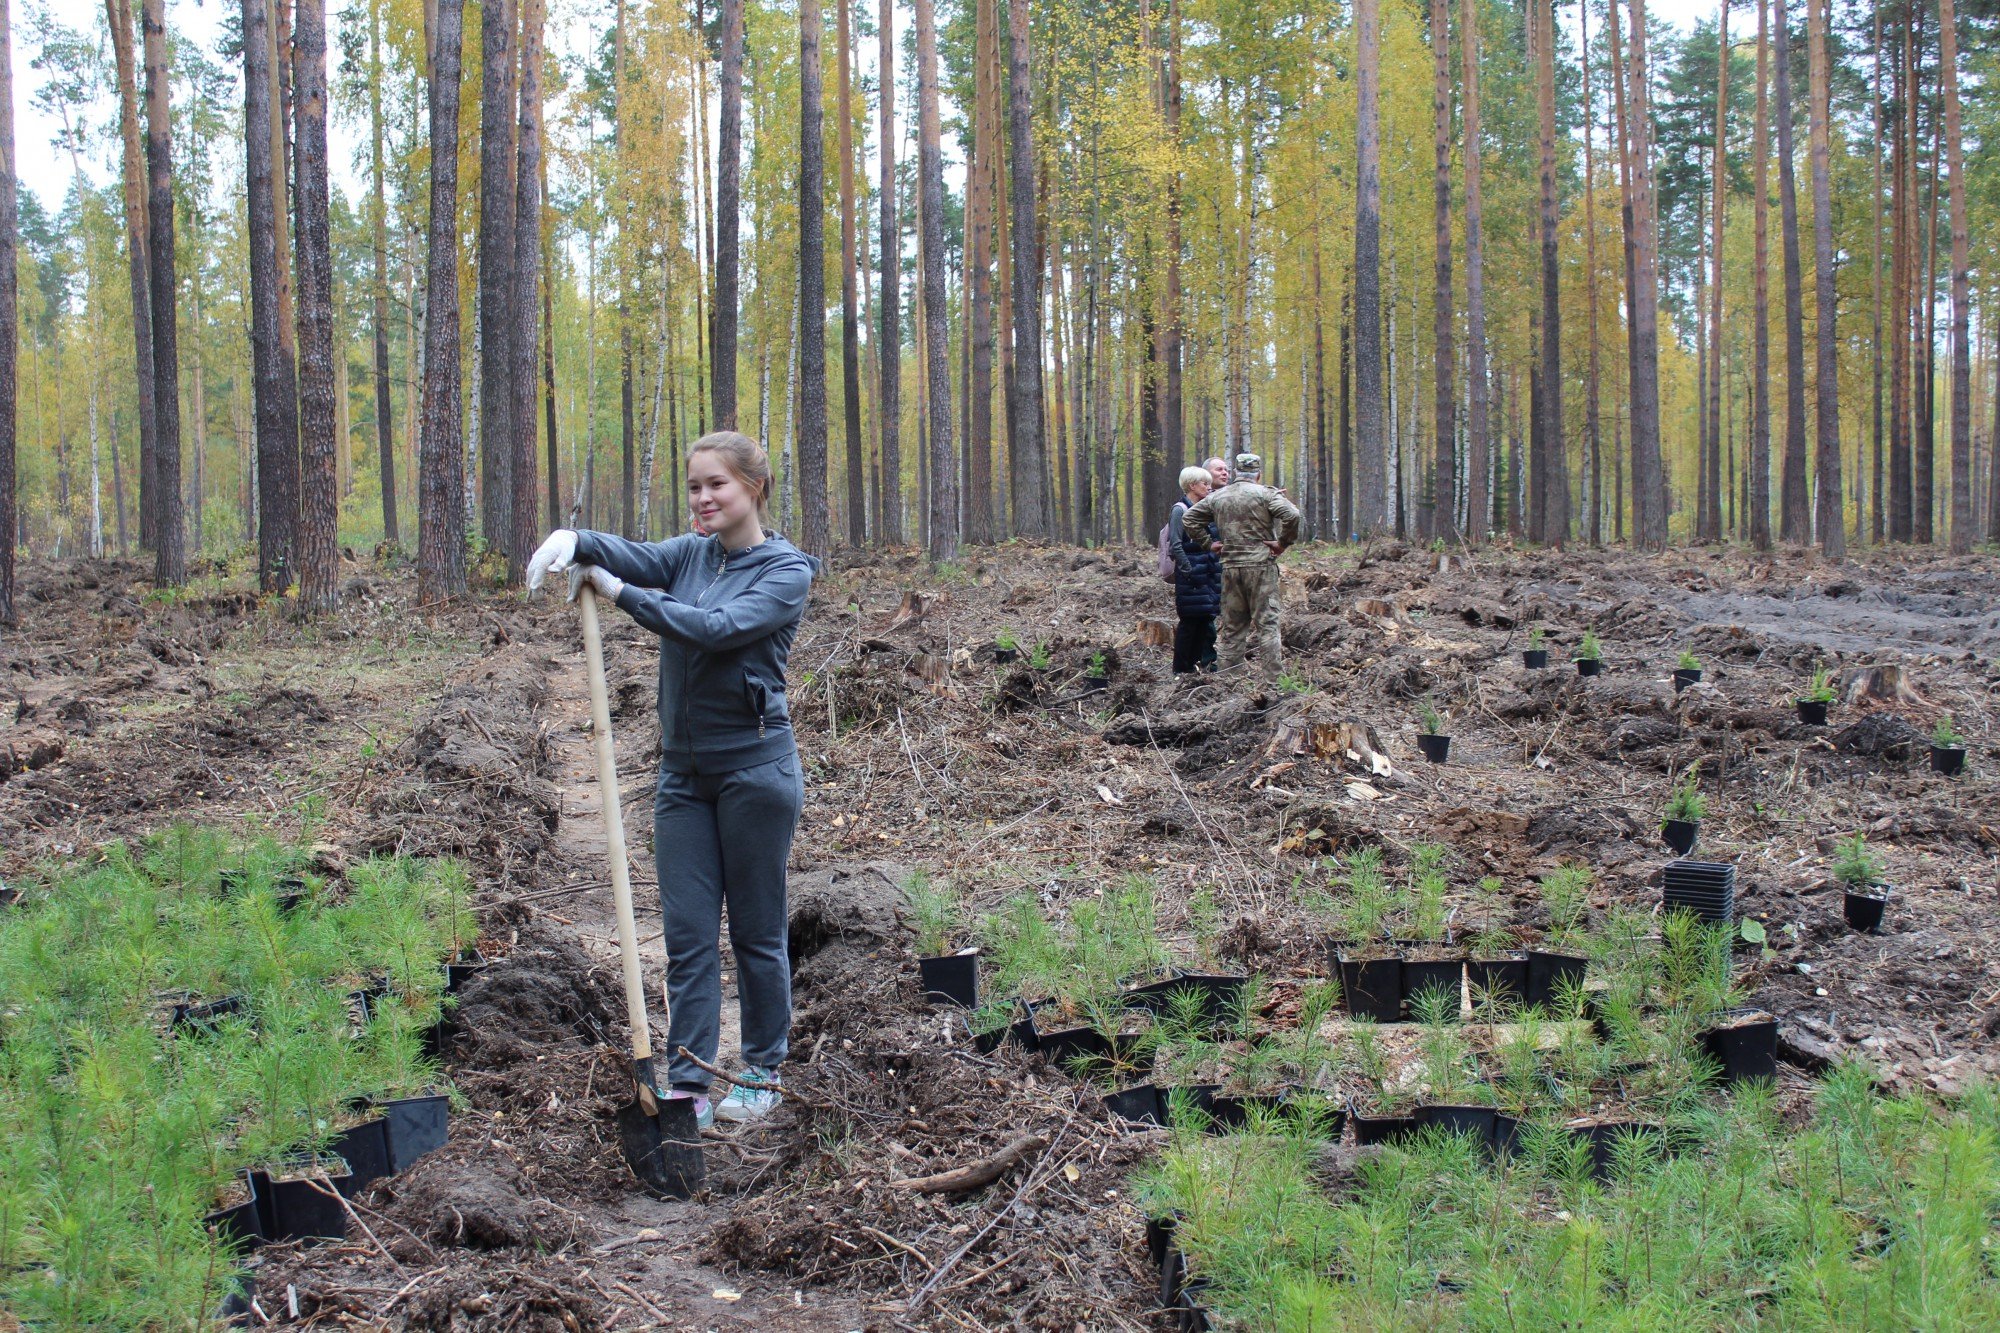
{"points": [[1255, 524]]}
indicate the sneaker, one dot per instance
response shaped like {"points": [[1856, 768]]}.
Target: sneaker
{"points": [[744, 1104], [704, 1110]]}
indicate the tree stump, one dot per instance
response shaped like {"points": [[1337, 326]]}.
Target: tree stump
{"points": [[1885, 682]]}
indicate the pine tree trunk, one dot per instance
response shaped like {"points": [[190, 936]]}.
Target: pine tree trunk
{"points": [[385, 434], [812, 287], [943, 499], [1444, 493], [170, 551], [1711, 499], [850, 313], [276, 393], [118, 13], [1649, 495], [549, 388], [1029, 467], [889, 360], [1831, 512], [319, 492], [1371, 446], [1760, 334], [9, 321], [1552, 472], [1478, 502], [524, 269], [979, 204], [1923, 503], [441, 447], [1594, 533], [1794, 518], [1876, 517], [1902, 141], [498, 68], [728, 208]]}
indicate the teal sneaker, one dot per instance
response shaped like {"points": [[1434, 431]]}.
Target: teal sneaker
{"points": [[704, 1110], [745, 1104]]}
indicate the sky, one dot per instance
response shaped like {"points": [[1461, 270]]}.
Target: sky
{"points": [[45, 169]]}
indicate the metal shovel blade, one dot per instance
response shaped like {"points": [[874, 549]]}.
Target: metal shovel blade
{"points": [[662, 1140]]}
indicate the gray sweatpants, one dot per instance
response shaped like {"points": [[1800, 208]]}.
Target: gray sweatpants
{"points": [[724, 838]]}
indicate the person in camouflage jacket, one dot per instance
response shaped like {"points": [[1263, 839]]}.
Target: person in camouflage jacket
{"points": [[1255, 524]]}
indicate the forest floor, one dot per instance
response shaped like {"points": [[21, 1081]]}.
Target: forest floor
{"points": [[464, 732]]}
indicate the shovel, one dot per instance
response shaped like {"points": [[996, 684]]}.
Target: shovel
{"points": [[661, 1140]]}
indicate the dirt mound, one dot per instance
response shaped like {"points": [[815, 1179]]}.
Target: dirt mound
{"points": [[1882, 736], [545, 993], [479, 1204]]}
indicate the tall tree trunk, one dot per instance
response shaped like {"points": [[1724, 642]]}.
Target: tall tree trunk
{"points": [[1595, 532], [889, 362], [170, 551], [728, 207], [496, 266], [1794, 517], [1347, 529], [812, 287], [555, 519], [850, 314], [119, 15], [1903, 145], [1760, 333], [1876, 518], [319, 493], [628, 276], [943, 498], [1371, 447], [1923, 504], [9, 321], [979, 203], [1322, 495], [1711, 500], [1029, 466], [1961, 287], [1552, 473], [1173, 419], [1444, 493], [524, 340], [276, 392], [441, 447], [385, 434], [1649, 495], [1478, 504], [1831, 511]]}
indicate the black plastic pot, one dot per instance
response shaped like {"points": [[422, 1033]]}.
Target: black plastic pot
{"points": [[290, 892], [1504, 975], [1603, 1136], [1422, 974], [239, 1223], [1380, 1128], [416, 1125], [1372, 987], [1182, 1104], [1680, 834], [1705, 888], [1948, 760], [203, 1015], [1589, 666], [1006, 654], [1139, 1103], [1534, 658], [1458, 1119], [1745, 1045], [1685, 676], [951, 978], [1062, 1047], [1864, 909], [469, 964], [1192, 1307], [1233, 1112], [1092, 684], [1812, 712], [304, 1208], [365, 1149], [1549, 974], [1435, 748], [1506, 1133], [1220, 993]]}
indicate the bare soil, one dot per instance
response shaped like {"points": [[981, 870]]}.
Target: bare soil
{"points": [[464, 732]]}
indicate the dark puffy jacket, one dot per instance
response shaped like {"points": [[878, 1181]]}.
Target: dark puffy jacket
{"points": [[725, 621], [1197, 573]]}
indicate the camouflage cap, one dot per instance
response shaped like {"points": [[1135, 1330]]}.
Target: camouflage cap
{"points": [[1248, 465]]}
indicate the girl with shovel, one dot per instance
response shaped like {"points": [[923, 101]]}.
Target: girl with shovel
{"points": [[725, 602]]}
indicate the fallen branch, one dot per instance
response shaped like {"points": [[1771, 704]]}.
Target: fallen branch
{"points": [[982, 1172], [738, 1081]]}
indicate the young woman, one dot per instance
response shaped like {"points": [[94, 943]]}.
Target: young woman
{"points": [[1197, 580], [725, 601]]}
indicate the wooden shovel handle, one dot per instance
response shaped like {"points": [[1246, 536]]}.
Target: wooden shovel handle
{"points": [[614, 828]]}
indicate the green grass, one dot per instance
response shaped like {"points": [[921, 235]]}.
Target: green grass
{"points": [[120, 1133]]}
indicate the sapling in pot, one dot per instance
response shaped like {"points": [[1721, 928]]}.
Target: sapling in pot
{"points": [[1589, 655], [1817, 697], [1098, 674], [949, 976], [1371, 970], [1447, 1060], [1497, 974], [1947, 748], [1556, 969], [1379, 1112], [1858, 871], [1685, 808], [1536, 655], [1005, 646], [1432, 740], [1687, 671], [1428, 960]]}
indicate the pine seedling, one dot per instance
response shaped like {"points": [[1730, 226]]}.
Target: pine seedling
{"points": [[935, 913], [1819, 686], [1688, 661], [1855, 868], [1590, 648], [1945, 736], [1687, 803]]}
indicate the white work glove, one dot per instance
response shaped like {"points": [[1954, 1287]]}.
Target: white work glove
{"points": [[553, 557], [606, 584]]}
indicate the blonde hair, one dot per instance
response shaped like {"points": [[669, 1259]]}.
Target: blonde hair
{"points": [[1191, 475], [745, 459]]}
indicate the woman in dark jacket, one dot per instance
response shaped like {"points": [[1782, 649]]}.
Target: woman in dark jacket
{"points": [[725, 601], [1197, 582]]}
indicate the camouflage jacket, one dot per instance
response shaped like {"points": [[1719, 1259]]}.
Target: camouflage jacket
{"points": [[1247, 514]]}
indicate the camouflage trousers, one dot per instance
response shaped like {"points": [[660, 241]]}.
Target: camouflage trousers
{"points": [[1250, 615]]}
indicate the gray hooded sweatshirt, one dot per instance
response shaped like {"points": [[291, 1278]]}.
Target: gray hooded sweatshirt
{"points": [[726, 621]]}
